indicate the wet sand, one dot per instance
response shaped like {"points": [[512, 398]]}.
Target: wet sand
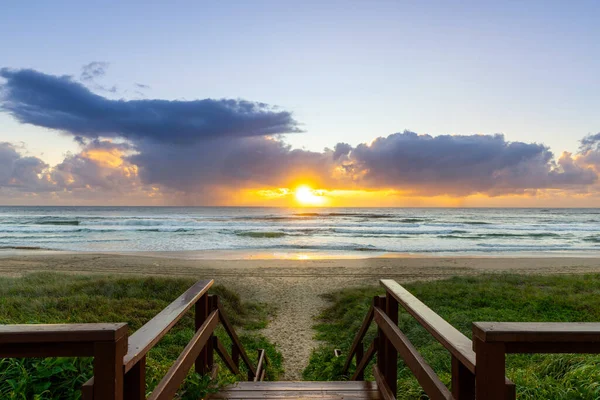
{"points": [[293, 286]]}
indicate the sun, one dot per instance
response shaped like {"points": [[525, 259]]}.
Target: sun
{"points": [[308, 197]]}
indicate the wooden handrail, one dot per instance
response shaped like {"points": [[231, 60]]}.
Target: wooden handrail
{"points": [[358, 340], [198, 350], [148, 335], [236, 341], [364, 361], [261, 365], [107, 343], [451, 338], [459, 345], [222, 352], [427, 378], [493, 340], [168, 386], [382, 385]]}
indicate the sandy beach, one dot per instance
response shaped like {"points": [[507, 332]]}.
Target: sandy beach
{"points": [[294, 286]]}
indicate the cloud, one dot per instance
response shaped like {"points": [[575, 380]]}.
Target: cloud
{"points": [[461, 165], [202, 149], [93, 70], [58, 102], [18, 172]]}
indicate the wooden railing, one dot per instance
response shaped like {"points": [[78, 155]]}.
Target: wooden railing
{"points": [[391, 342], [120, 362], [107, 343], [493, 340]]}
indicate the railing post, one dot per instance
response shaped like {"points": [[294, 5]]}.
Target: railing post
{"points": [[235, 354], [360, 353], [213, 303], [489, 380], [108, 368], [135, 381], [201, 308], [463, 381], [379, 302], [391, 364]]}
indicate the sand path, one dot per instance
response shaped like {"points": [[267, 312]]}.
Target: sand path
{"points": [[294, 287]]}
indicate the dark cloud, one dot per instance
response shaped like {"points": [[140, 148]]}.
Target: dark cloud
{"points": [[60, 103], [20, 172], [590, 142], [240, 162], [461, 165], [340, 150], [93, 70]]}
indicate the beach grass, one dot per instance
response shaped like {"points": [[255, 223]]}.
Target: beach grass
{"points": [[461, 301], [60, 298]]}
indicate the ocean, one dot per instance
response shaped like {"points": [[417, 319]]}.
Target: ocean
{"points": [[303, 232]]}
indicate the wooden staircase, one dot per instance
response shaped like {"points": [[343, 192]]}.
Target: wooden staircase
{"points": [[477, 366], [300, 390]]}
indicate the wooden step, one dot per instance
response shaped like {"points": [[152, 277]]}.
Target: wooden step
{"points": [[300, 390]]}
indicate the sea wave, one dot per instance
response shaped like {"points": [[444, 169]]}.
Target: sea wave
{"points": [[266, 235]]}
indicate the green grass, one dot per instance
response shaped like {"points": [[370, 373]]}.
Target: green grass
{"points": [[462, 301], [57, 298]]}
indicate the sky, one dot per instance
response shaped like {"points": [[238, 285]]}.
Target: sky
{"points": [[383, 103]]}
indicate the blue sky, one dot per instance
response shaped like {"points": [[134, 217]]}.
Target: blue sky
{"points": [[349, 71]]}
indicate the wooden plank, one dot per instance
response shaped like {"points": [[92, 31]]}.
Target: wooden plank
{"points": [[303, 385], [360, 368], [299, 395], [451, 338], [384, 389], [537, 331], [149, 334], [236, 341], [358, 339], [222, 352], [168, 386], [67, 349], [552, 347], [429, 381], [489, 380], [52, 333]]}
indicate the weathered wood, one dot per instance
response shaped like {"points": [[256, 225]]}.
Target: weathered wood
{"points": [[528, 332], [300, 390], [391, 365], [135, 381], [215, 372], [489, 380], [359, 374], [149, 334], [429, 381], [236, 341], [379, 303], [448, 336], [53, 333], [260, 365], [463, 381], [168, 386], [108, 368], [451, 338], [360, 354], [384, 389], [53, 349], [201, 313], [222, 352], [358, 339]]}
